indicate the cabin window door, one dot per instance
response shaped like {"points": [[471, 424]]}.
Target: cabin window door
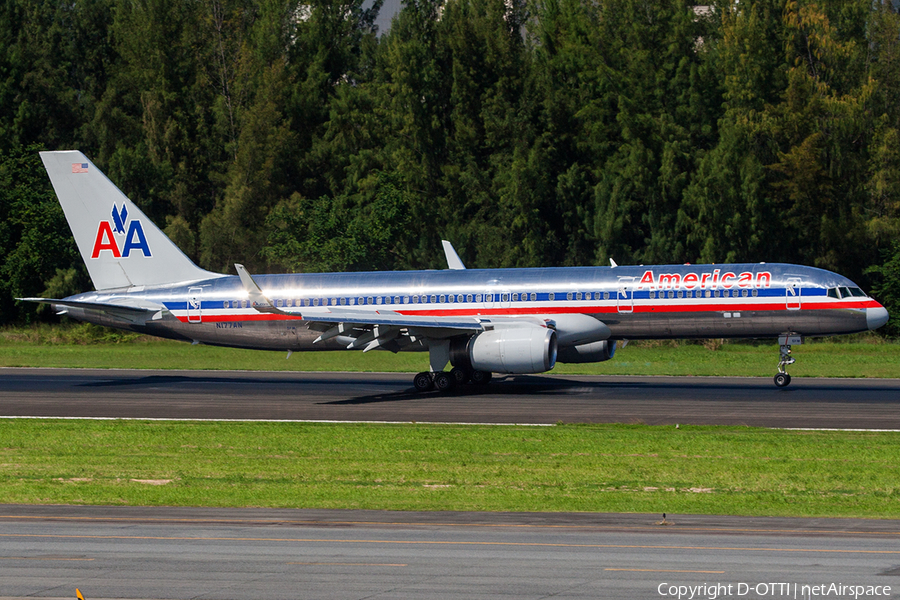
{"points": [[194, 313], [792, 291], [625, 295]]}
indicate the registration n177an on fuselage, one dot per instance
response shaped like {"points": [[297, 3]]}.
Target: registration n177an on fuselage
{"points": [[480, 321]]}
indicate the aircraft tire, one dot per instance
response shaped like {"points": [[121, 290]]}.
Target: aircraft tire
{"points": [[444, 382], [782, 379], [423, 381], [481, 377], [462, 376]]}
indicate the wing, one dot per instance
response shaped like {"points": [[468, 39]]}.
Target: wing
{"points": [[369, 329]]}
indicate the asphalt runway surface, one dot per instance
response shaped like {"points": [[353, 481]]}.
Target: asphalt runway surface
{"points": [[152, 553], [526, 399]]}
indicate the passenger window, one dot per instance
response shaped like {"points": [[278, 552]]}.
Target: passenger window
{"points": [[533, 297], [755, 293], [504, 297], [442, 298], [515, 297], [551, 296], [606, 295], [433, 298], [680, 293], [569, 296]]}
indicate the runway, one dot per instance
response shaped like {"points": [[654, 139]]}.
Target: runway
{"points": [[525, 399], [122, 552], [274, 554]]}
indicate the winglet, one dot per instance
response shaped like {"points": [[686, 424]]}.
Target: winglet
{"points": [[453, 261], [612, 263], [257, 299]]}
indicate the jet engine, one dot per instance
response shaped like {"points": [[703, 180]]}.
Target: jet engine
{"points": [[587, 353], [528, 349]]}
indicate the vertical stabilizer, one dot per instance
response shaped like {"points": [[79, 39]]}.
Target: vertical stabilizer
{"points": [[119, 244]]}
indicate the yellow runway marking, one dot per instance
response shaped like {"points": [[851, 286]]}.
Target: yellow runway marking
{"points": [[436, 543], [664, 571]]}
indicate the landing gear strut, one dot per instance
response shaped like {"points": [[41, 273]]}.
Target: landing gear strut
{"points": [[782, 379]]}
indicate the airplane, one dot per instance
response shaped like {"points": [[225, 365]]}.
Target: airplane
{"points": [[479, 321]]}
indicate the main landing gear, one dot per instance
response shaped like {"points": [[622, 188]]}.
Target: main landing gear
{"points": [[444, 381], [783, 379]]}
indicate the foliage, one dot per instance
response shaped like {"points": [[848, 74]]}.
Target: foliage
{"points": [[528, 132]]}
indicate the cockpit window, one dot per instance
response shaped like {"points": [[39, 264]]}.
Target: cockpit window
{"points": [[833, 293], [845, 292], [854, 291]]}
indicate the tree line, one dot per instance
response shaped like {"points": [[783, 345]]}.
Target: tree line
{"points": [[294, 136]]}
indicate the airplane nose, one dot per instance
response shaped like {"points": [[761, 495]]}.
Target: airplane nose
{"points": [[876, 317]]}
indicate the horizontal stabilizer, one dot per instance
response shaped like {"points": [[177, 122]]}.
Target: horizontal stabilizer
{"points": [[132, 310]]}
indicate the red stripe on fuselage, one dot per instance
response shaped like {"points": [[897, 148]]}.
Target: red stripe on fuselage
{"points": [[559, 310]]}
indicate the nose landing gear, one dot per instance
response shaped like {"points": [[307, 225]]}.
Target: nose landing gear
{"points": [[783, 379]]}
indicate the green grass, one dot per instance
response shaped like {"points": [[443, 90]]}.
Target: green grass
{"points": [[606, 468], [97, 347]]}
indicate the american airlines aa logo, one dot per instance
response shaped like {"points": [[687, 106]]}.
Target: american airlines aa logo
{"points": [[108, 232]]}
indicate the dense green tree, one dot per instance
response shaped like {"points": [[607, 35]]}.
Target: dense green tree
{"points": [[528, 132], [35, 241]]}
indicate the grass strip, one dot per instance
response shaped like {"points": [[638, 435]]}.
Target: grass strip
{"points": [[87, 346], [618, 468]]}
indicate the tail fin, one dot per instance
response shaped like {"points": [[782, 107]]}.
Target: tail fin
{"points": [[119, 244]]}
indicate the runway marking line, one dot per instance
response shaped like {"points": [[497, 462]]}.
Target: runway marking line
{"points": [[340, 564], [255, 522], [435, 543], [665, 571], [40, 558]]}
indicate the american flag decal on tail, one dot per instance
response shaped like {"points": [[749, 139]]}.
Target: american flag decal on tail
{"points": [[79, 167]]}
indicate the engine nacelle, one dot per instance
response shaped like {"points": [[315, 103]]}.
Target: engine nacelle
{"points": [[509, 350], [587, 353]]}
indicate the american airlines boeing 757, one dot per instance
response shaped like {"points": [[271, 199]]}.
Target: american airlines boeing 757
{"points": [[479, 321]]}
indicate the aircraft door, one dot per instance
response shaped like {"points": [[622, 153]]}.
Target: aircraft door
{"points": [[194, 314], [489, 298], [625, 295], [792, 291]]}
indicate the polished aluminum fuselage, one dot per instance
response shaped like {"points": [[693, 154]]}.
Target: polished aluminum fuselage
{"points": [[638, 302]]}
